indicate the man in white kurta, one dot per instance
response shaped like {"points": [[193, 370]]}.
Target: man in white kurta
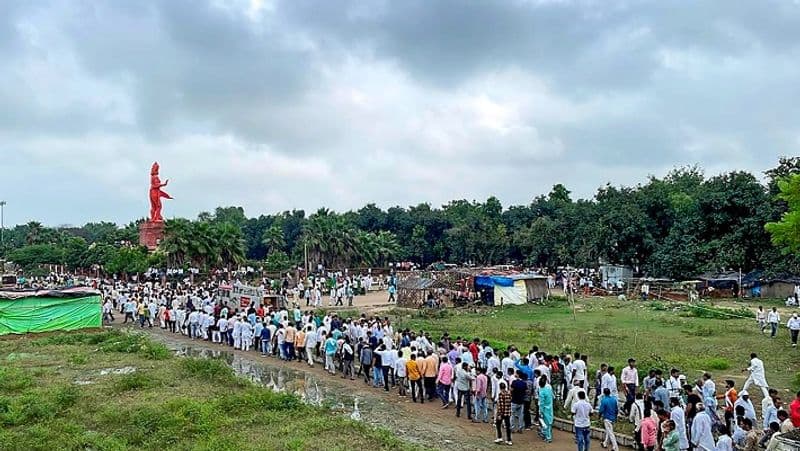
{"points": [[678, 415], [702, 438], [757, 375]]}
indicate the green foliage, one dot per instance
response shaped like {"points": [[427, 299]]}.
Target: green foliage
{"points": [[110, 341], [707, 311], [13, 379], [717, 363], [136, 380], [277, 262], [212, 370], [786, 232], [676, 226], [128, 260]]}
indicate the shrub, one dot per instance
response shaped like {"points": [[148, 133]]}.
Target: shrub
{"points": [[717, 363], [209, 369], [14, 379], [132, 381], [66, 396], [78, 359]]}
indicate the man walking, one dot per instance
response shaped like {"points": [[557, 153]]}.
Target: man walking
{"points": [[773, 318], [630, 382], [608, 412], [581, 412], [464, 388], [757, 376], [794, 328], [444, 380]]}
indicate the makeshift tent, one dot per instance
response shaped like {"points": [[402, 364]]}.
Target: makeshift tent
{"points": [[30, 311], [512, 289]]}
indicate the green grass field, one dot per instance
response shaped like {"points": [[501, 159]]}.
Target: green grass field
{"points": [[611, 331], [57, 393]]}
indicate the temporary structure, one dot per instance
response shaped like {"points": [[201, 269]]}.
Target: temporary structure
{"points": [[512, 289], [27, 311]]}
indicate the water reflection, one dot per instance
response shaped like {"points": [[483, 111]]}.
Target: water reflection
{"points": [[279, 379]]}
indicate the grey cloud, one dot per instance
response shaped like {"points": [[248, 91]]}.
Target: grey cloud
{"points": [[396, 102]]}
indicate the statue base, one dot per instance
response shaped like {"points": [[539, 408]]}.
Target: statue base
{"points": [[150, 234]]}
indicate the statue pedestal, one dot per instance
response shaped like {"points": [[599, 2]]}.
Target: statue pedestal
{"points": [[151, 234]]}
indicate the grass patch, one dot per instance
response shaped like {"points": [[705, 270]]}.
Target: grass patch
{"points": [[167, 403], [658, 334], [208, 369]]}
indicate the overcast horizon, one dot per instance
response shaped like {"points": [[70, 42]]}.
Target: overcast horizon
{"points": [[280, 105]]}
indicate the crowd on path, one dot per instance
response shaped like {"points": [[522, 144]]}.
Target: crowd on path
{"points": [[515, 390]]}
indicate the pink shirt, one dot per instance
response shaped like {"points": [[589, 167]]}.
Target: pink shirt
{"points": [[480, 386], [648, 430], [445, 374]]}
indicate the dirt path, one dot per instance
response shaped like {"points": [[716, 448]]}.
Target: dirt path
{"points": [[430, 424]]}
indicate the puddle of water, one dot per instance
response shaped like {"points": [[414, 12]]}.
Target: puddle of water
{"points": [[117, 371]]}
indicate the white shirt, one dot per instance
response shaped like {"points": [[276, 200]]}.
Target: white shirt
{"points": [[400, 367], [581, 412], [793, 323], [505, 364], [580, 370], [609, 381], [773, 317], [757, 370]]}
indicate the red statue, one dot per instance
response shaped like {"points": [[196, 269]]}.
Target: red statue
{"points": [[156, 194]]}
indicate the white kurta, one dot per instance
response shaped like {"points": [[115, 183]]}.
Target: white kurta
{"points": [[757, 372], [701, 432], [677, 415]]}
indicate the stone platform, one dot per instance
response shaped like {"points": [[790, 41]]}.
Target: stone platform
{"points": [[151, 234]]}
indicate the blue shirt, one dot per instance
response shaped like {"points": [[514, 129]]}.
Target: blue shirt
{"points": [[525, 369], [661, 394], [265, 334], [330, 346], [608, 408]]}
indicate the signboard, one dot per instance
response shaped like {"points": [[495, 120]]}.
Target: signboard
{"points": [[244, 301]]}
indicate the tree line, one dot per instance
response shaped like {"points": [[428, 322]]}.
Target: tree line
{"points": [[677, 226]]}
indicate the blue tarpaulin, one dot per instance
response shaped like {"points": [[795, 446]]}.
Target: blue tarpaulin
{"points": [[492, 281]]}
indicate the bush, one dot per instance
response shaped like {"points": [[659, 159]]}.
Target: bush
{"points": [[14, 379], [78, 359], [133, 381], [209, 369], [717, 363], [707, 311]]}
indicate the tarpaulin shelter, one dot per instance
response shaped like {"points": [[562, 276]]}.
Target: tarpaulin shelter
{"points": [[31, 311], [513, 288]]}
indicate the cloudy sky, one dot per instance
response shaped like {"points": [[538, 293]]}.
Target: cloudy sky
{"points": [[276, 105]]}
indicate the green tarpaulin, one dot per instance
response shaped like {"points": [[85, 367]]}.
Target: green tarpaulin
{"points": [[47, 314]]}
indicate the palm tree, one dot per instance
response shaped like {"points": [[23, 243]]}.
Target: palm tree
{"points": [[35, 232], [387, 247], [273, 238], [178, 241], [230, 244], [204, 250]]}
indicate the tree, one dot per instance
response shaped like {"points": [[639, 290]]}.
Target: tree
{"points": [[230, 248], [273, 238], [786, 232], [127, 261], [277, 261]]}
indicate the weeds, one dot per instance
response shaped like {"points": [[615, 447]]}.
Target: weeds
{"points": [[208, 369]]}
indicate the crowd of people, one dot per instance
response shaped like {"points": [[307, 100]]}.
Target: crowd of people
{"points": [[516, 390]]}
